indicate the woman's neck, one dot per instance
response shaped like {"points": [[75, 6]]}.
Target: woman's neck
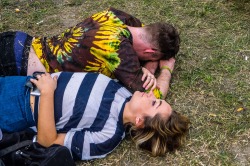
{"points": [[128, 116]]}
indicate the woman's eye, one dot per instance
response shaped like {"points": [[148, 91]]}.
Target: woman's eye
{"points": [[153, 103]]}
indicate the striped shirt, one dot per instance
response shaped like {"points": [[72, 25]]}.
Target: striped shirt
{"points": [[89, 109]]}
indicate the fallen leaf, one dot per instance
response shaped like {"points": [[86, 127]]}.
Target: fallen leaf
{"points": [[211, 114], [17, 10], [240, 109]]}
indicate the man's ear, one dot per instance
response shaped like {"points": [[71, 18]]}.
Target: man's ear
{"points": [[139, 122]]}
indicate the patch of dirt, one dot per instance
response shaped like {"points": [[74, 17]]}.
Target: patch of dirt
{"points": [[68, 16], [241, 149]]}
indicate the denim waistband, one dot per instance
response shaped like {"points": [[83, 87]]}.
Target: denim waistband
{"points": [[15, 110]]}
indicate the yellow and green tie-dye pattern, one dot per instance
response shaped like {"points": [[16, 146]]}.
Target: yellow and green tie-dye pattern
{"points": [[60, 46], [65, 44], [107, 43], [101, 55], [37, 46]]}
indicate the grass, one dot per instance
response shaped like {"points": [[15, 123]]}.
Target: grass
{"points": [[210, 83]]}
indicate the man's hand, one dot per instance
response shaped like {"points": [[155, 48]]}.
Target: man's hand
{"points": [[149, 78]]}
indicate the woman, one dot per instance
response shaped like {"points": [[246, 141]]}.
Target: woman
{"points": [[87, 112]]}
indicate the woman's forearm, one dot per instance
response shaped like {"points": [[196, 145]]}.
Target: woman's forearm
{"points": [[46, 123], [46, 129], [163, 81]]}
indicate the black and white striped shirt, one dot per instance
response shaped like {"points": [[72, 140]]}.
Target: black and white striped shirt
{"points": [[89, 108]]}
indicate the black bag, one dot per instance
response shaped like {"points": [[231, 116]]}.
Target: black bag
{"points": [[29, 153], [13, 138], [36, 155]]}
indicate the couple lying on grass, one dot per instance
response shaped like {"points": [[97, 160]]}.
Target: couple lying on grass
{"points": [[87, 111]]}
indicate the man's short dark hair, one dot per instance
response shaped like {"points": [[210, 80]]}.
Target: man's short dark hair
{"points": [[165, 37]]}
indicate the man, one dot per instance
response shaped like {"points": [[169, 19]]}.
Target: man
{"points": [[111, 42]]}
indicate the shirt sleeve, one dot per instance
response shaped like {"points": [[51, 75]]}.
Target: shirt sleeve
{"points": [[129, 72], [126, 18], [87, 145]]}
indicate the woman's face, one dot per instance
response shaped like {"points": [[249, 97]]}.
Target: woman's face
{"points": [[147, 105]]}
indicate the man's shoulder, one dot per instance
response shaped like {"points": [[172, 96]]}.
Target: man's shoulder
{"points": [[126, 18]]}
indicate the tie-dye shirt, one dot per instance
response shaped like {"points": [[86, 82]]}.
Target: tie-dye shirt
{"points": [[101, 43]]}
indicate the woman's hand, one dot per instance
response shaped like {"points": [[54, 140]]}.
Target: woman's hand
{"points": [[45, 83], [149, 78]]}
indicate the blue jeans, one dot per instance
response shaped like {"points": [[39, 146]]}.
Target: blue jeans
{"points": [[14, 53], [15, 111]]}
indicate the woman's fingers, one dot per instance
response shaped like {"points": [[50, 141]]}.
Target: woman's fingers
{"points": [[45, 82], [45, 75], [150, 82], [151, 85], [154, 85], [33, 81], [145, 74], [149, 79]]}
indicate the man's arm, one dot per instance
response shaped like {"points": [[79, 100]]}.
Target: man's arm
{"points": [[137, 81], [129, 71], [151, 66]]}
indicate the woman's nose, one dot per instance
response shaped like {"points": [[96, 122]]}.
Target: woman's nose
{"points": [[151, 95]]}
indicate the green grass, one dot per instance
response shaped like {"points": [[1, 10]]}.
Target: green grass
{"points": [[211, 78]]}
